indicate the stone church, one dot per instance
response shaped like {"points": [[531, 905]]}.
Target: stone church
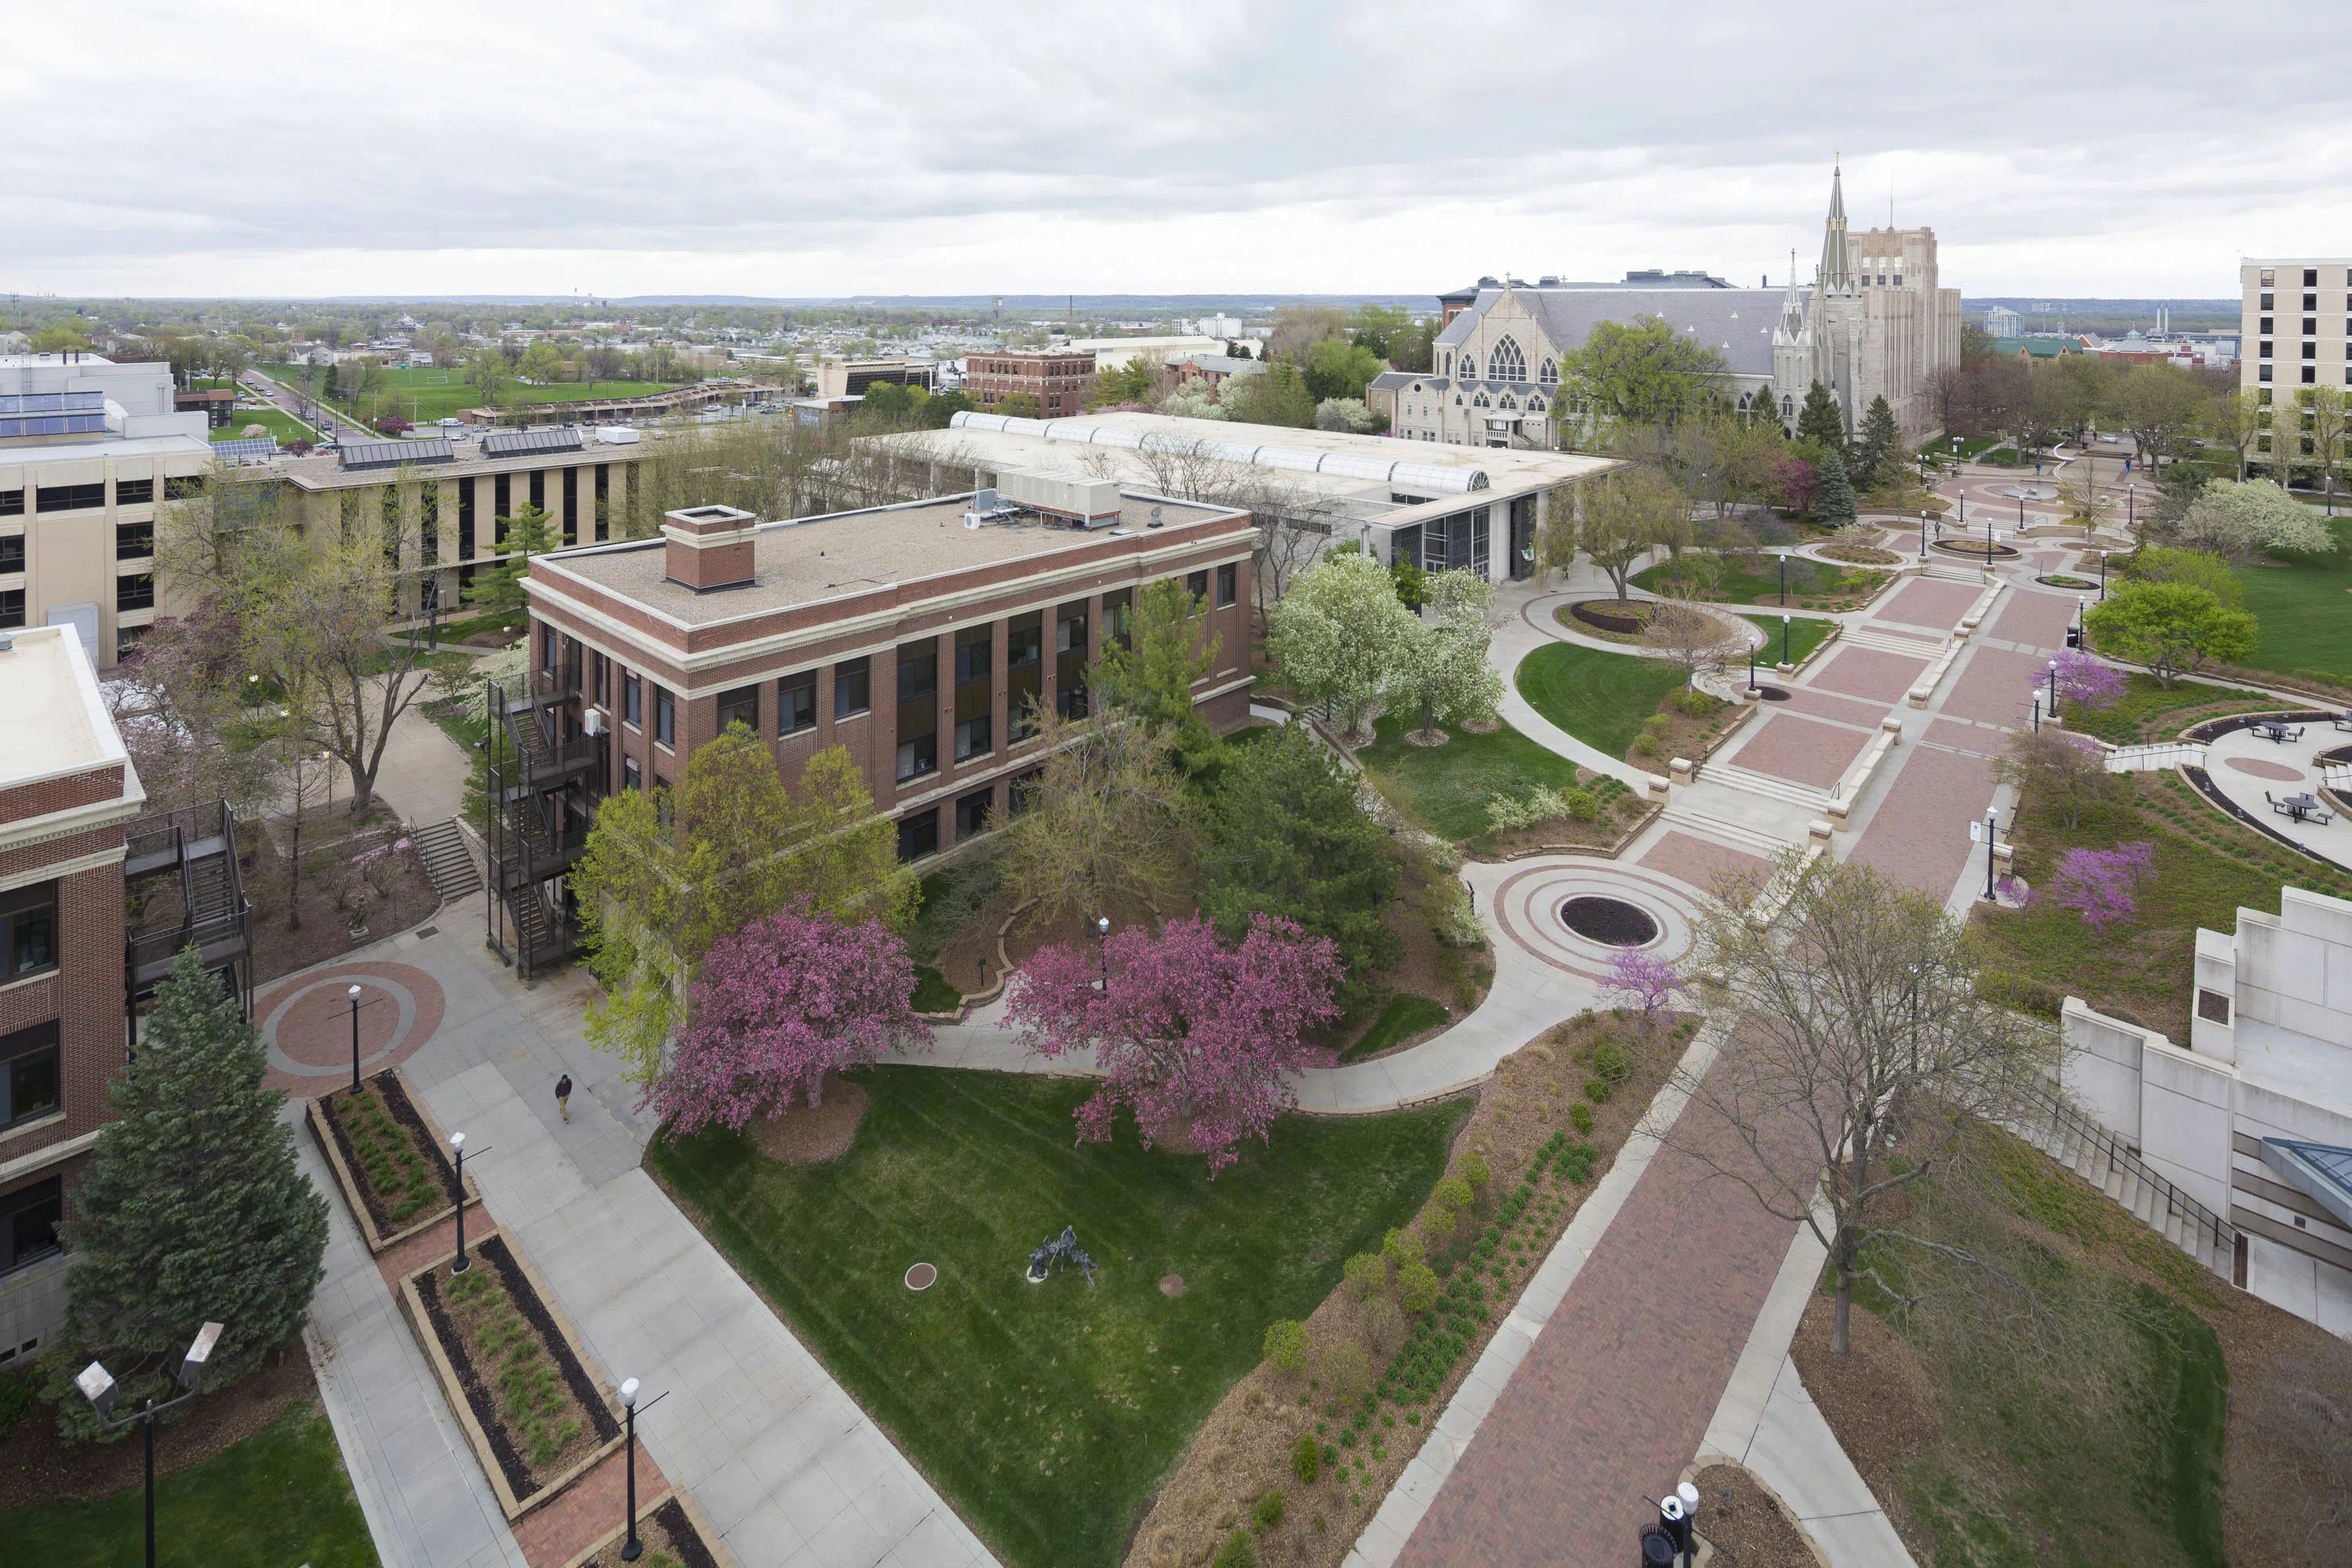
{"points": [[1874, 322]]}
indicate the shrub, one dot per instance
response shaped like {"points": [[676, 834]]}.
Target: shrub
{"points": [[1596, 1089], [1402, 1247], [1366, 1273], [1646, 744], [1576, 1162], [1658, 724], [1239, 1550], [18, 1393], [1306, 1458], [1437, 1223], [1692, 703], [1286, 1346], [1382, 1326], [1581, 806], [1416, 1286], [1582, 1114], [1454, 1194], [1346, 1370], [1474, 1169], [1610, 1061], [2015, 991], [1269, 1508]]}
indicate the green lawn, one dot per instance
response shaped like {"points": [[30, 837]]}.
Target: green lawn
{"points": [[1450, 785], [2148, 713], [1404, 1016], [1807, 577], [2305, 610], [283, 426], [424, 396], [1805, 634], [971, 1170], [1599, 697], [277, 1499], [932, 991]]}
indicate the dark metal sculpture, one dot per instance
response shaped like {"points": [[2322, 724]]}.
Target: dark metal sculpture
{"points": [[1062, 1248]]}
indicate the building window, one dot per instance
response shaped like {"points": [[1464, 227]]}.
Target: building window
{"points": [[131, 542], [2310, 326], [1505, 362], [28, 930], [974, 651], [135, 592], [539, 489], [972, 812], [12, 503], [12, 607], [1548, 373], [29, 1223], [28, 1074], [796, 703], [633, 708], [501, 506], [2262, 372], [919, 835], [465, 519], [2262, 442], [1228, 588], [134, 492], [2311, 351], [2311, 277], [2268, 278], [665, 803], [2262, 350], [1197, 585], [740, 706], [665, 717], [1025, 640], [603, 502], [571, 506], [852, 688], [12, 552], [633, 778], [69, 498], [919, 672], [1022, 791], [1118, 617]]}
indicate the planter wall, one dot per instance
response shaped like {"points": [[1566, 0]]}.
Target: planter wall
{"points": [[376, 1227]]}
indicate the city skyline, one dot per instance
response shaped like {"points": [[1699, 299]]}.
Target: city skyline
{"points": [[1306, 150]]}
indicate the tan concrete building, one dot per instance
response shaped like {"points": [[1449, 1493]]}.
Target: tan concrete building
{"points": [[2298, 323]]}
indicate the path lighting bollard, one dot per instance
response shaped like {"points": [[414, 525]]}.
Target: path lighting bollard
{"points": [[97, 1386], [2036, 695], [1784, 577]]}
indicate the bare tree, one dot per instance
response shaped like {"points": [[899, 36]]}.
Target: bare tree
{"points": [[1857, 1018], [1695, 641]]}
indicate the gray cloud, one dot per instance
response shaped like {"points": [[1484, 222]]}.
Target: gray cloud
{"points": [[746, 147]]}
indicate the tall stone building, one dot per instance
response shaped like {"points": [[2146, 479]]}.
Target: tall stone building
{"points": [[1874, 324]]}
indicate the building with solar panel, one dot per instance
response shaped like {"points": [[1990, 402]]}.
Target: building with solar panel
{"points": [[449, 500], [88, 449]]}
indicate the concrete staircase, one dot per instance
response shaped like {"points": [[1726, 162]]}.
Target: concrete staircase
{"points": [[447, 860], [2096, 1155], [1948, 572], [1865, 636], [1764, 784], [1734, 835]]}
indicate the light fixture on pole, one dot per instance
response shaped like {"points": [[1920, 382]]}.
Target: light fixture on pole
{"points": [[354, 994], [1784, 639], [2131, 508], [458, 1147], [2036, 695], [97, 1386], [1923, 533], [2053, 686], [1990, 831], [2103, 576], [632, 1549], [1102, 935]]}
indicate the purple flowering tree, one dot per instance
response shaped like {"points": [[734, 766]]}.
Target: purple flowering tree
{"points": [[2101, 885], [1197, 1038], [2088, 684], [1638, 980], [779, 1005]]}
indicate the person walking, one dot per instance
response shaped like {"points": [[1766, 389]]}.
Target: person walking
{"points": [[563, 1096]]}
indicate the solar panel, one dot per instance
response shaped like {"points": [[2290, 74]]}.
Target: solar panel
{"points": [[391, 453], [545, 438], [239, 451]]}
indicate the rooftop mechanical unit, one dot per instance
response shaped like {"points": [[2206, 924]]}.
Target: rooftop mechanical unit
{"points": [[1061, 498]]}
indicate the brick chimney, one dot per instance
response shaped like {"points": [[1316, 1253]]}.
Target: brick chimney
{"points": [[709, 547]]}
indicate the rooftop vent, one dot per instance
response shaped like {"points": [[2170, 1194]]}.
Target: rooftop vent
{"points": [[709, 547]]}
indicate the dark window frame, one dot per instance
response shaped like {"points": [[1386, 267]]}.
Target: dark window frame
{"points": [[731, 706], [796, 703], [665, 717], [1228, 585], [30, 1057], [633, 701], [34, 907], [134, 492], [853, 688], [29, 1223], [70, 497]]}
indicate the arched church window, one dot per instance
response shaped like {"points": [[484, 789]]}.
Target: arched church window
{"points": [[1506, 401], [1449, 361], [1788, 408], [1457, 400], [1505, 362], [1535, 405], [1479, 401], [1548, 373]]}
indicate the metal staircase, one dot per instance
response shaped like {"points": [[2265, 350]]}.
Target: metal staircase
{"points": [[182, 867], [541, 796], [2095, 1154]]}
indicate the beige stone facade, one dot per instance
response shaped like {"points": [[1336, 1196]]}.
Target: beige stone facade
{"points": [[2297, 320]]}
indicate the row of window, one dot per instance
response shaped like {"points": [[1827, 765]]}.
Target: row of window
{"points": [[918, 831], [2310, 373], [91, 496], [2310, 277]]}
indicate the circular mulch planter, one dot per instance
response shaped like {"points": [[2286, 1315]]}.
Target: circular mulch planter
{"points": [[1977, 550], [1609, 621], [921, 1277], [1172, 1285], [1609, 920]]}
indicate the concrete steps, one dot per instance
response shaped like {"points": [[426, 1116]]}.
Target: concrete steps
{"points": [[1764, 784], [1891, 642], [2147, 1197], [447, 860], [1733, 834]]}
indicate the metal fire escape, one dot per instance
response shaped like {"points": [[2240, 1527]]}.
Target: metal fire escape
{"points": [[544, 778], [181, 866]]}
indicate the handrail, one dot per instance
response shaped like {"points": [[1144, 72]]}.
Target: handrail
{"points": [[2177, 1203]]}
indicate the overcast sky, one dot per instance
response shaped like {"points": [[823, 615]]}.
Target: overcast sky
{"points": [[876, 148]]}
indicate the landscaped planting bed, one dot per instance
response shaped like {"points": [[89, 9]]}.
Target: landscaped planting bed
{"points": [[389, 1158], [2148, 713], [1333, 1436], [517, 1379], [674, 1533]]}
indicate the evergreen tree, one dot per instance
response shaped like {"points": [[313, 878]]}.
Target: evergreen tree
{"points": [[1820, 421], [1287, 838], [1880, 443], [194, 1210], [500, 588], [1833, 506], [1152, 676]]}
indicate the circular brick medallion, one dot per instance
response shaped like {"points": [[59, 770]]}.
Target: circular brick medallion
{"points": [[2263, 770]]}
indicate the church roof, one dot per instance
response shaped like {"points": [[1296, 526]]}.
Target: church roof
{"points": [[1837, 265], [1737, 322]]}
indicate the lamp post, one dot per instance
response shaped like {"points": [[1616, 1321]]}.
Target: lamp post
{"points": [[1102, 935], [1784, 577], [2036, 695], [2131, 508], [1923, 533], [2103, 576], [354, 994], [2053, 686], [1991, 833], [1784, 639], [1751, 666], [97, 1386], [458, 1147]]}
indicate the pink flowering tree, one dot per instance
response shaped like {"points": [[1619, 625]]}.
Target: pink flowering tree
{"points": [[2088, 684], [1196, 1038], [779, 1005], [1638, 980], [2102, 885]]}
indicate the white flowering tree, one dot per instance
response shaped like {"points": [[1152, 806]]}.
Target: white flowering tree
{"points": [[1341, 635]]}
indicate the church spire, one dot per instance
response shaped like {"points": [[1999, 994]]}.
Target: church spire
{"points": [[1837, 267]]}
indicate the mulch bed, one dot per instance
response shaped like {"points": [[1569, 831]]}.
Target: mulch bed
{"points": [[669, 1537], [809, 1135], [536, 1405], [1745, 1524], [1626, 624], [1859, 555], [35, 1467], [394, 1167], [1245, 1446], [325, 931]]}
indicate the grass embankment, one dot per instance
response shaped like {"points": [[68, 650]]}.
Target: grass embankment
{"points": [[1049, 1413], [1448, 787], [279, 1497], [2304, 606], [2142, 968], [1602, 699], [423, 396], [1404, 1016], [2148, 713], [283, 427]]}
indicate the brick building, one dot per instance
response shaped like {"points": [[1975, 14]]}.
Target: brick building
{"points": [[1058, 379], [921, 637]]}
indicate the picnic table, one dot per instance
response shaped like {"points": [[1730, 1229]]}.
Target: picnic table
{"points": [[2303, 808], [2277, 732]]}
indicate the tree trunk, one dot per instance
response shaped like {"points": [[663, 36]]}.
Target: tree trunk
{"points": [[1841, 1341], [816, 1091]]}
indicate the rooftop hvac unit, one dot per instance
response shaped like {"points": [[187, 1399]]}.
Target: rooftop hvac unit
{"points": [[1090, 503]]}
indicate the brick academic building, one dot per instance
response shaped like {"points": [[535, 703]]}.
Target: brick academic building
{"points": [[921, 637]]}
